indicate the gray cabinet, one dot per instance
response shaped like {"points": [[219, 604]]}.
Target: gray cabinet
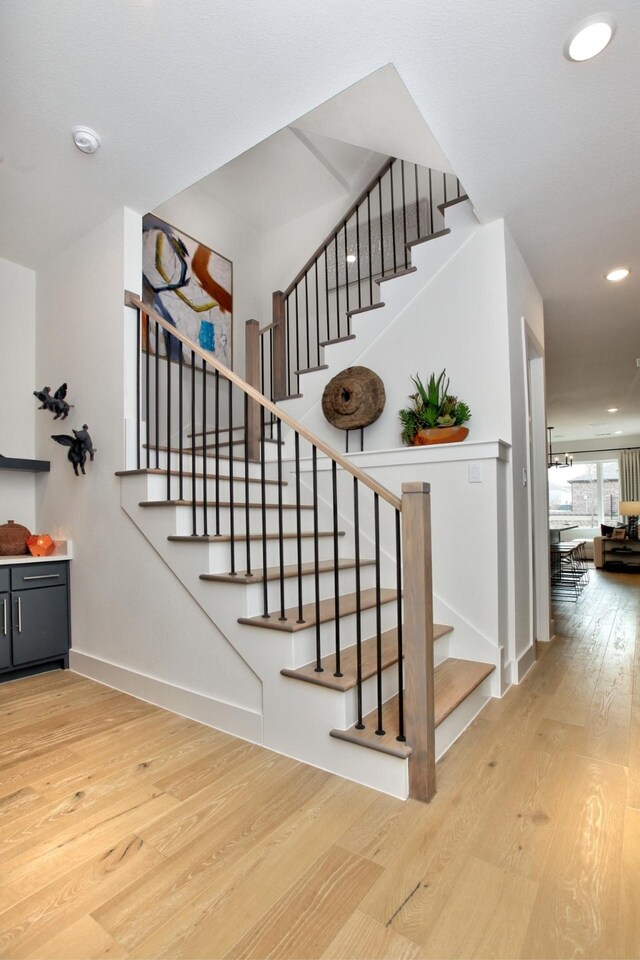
{"points": [[34, 617]]}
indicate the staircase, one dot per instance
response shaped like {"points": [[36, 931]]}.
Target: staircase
{"points": [[317, 576]]}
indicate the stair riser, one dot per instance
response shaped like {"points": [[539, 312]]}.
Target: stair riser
{"points": [[157, 490], [254, 592], [305, 639], [173, 459], [220, 553], [183, 520]]}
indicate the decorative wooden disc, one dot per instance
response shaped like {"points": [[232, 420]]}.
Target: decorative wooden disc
{"points": [[355, 398]]}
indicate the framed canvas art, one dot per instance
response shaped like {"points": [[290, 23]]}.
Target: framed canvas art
{"points": [[190, 286]]}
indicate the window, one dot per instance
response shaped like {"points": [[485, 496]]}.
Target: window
{"points": [[584, 495]]}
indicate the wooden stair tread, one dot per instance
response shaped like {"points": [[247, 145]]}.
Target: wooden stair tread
{"points": [[432, 236], [241, 538], [454, 680], [289, 570], [347, 606], [329, 343], [349, 663], [451, 203], [371, 306], [323, 366], [396, 273], [212, 503], [159, 471], [199, 451]]}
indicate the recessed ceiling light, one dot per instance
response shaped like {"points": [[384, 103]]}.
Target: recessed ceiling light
{"points": [[85, 139], [590, 39], [617, 431], [351, 258], [612, 409], [620, 273]]}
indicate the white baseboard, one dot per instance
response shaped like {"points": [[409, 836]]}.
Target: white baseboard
{"points": [[238, 721], [524, 663]]}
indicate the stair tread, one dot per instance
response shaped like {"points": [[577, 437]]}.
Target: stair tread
{"points": [[371, 306], [241, 538], [188, 450], [323, 366], [256, 505], [454, 680], [432, 236], [159, 471], [451, 203], [329, 343], [347, 606], [349, 662], [290, 570], [396, 273]]}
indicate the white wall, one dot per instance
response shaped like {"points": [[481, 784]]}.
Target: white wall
{"points": [[197, 213], [524, 306], [17, 381], [127, 607]]}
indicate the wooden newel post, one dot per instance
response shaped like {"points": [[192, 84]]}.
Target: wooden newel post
{"points": [[252, 376], [418, 639], [279, 348]]}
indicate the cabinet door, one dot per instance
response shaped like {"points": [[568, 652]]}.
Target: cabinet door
{"points": [[5, 631], [40, 624]]}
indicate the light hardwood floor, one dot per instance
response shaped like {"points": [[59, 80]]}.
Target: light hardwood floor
{"points": [[126, 831]]}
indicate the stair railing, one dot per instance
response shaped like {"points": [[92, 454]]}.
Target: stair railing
{"points": [[191, 414], [400, 206]]}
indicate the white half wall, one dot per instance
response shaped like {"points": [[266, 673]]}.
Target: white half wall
{"points": [[17, 381], [128, 609]]}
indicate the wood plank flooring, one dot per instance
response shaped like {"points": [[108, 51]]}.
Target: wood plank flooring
{"points": [[126, 831]]}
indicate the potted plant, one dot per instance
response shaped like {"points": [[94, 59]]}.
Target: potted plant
{"points": [[435, 415]]}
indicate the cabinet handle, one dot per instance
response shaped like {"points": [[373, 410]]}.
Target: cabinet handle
{"points": [[44, 576], [19, 614], [4, 616]]}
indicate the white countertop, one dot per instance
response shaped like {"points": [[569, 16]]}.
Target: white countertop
{"points": [[63, 551]]}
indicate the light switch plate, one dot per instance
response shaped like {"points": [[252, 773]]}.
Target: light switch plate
{"points": [[475, 473]]}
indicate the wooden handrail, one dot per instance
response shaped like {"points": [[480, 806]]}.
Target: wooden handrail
{"points": [[131, 300], [329, 239]]}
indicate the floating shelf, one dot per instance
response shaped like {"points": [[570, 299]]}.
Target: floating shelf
{"points": [[34, 466]]}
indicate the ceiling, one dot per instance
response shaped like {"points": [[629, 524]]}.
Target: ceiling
{"points": [[178, 89]]}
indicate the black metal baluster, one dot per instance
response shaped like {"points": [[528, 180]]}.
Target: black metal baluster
{"points": [[298, 526], [430, 202], [297, 336], [306, 309], [326, 288], [376, 514], [156, 384], [280, 527], [263, 511], [401, 735], [356, 532], [317, 313], [336, 568], [370, 250], [147, 394], [205, 499], [247, 519], [232, 498], [358, 257], [381, 229], [393, 221], [404, 217], [194, 525], [181, 425], [458, 190], [138, 383], [217, 466], [288, 348], [346, 268], [168, 424], [335, 255], [415, 170], [316, 560]]}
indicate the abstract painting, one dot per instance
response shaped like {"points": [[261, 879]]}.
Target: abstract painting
{"points": [[190, 286]]}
